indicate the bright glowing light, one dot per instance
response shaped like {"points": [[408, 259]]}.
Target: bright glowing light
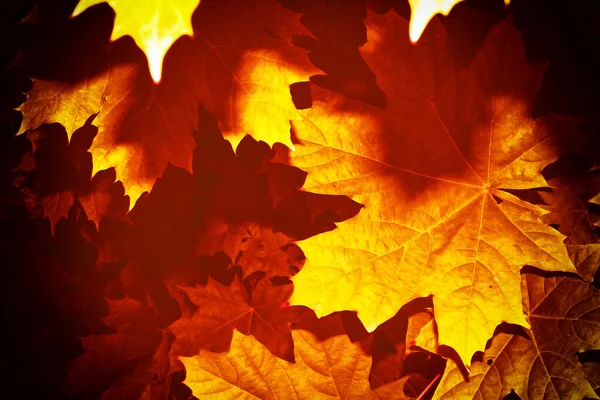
{"points": [[156, 49], [153, 24], [422, 11]]}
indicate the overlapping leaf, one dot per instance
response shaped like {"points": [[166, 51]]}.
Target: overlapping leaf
{"points": [[218, 309], [437, 166], [564, 314], [143, 127], [433, 170], [331, 369]]}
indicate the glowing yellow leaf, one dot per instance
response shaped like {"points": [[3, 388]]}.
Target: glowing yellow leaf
{"points": [[332, 369], [422, 11], [432, 170], [153, 24]]}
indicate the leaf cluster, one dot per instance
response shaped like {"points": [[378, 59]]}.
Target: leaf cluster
{"points": [[165, 242]]}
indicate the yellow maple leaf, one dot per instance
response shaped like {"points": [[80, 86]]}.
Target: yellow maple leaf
{"points": [[332, 369], [432, 170], [154, 25]]}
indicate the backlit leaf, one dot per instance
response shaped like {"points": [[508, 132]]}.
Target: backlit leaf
{"points": [[332, 369], [433, 170], [153, 24]]}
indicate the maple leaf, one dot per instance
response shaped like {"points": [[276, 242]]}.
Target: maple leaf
{"points": [[333, 368], [563, 313], [219, 308], [432, 169], [153, 25], [143, 127]]}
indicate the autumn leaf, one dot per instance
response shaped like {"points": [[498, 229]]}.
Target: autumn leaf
{"points": [[433, 169], [242, 80], [401, 347], [154, 25], [453, 188], [253, 248], [563, 313], [334, 368], [218, 309]]}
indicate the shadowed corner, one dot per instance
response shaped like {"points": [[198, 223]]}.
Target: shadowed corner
{"points": [[56, 47]]}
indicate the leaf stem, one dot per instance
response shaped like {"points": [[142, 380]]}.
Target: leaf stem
{"points": [[428, 388]]}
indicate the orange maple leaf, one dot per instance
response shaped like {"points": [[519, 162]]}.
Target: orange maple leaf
{"points": [[331, 369], [434, 170]]}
